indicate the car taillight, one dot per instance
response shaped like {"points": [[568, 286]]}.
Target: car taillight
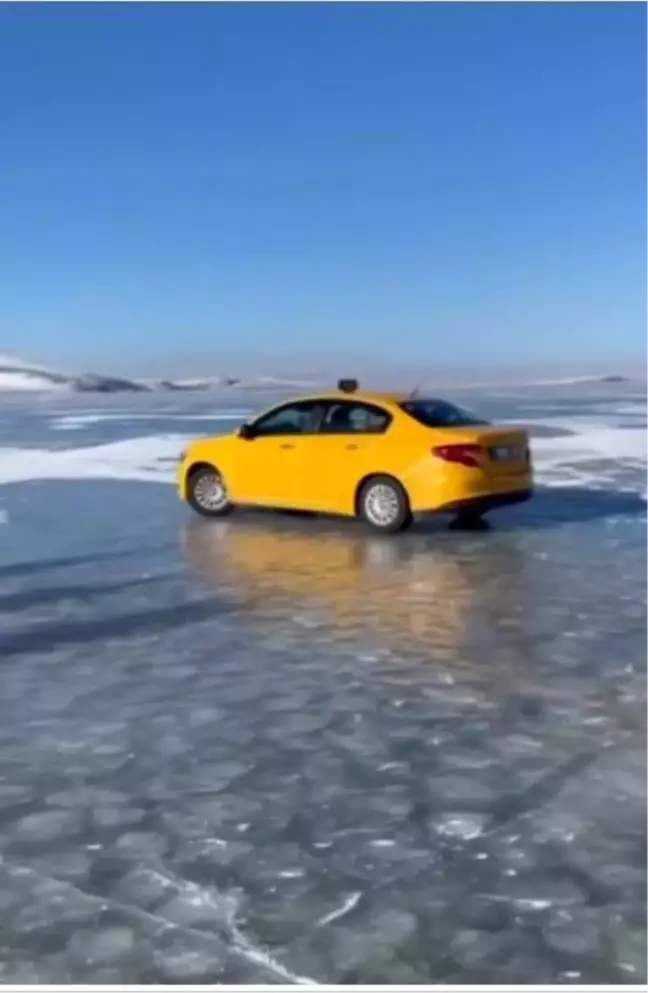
{"points": [[463, 454]]}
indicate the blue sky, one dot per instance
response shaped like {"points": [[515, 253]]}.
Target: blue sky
{"points": [[458, 185]]}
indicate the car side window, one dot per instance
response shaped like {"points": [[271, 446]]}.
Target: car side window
{"points": [[354, 418], [294, 418]]}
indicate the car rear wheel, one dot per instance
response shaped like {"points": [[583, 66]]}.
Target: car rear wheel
{"points": [[383, 505], [207, 493]]}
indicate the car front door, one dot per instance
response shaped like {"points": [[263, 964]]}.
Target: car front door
{"points": [[342, 452], [268, 462]]}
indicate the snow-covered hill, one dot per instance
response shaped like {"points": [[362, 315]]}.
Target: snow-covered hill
{"points": [[18, 376]]}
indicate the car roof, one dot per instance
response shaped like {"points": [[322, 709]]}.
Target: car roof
{"points": [[360, 396]]}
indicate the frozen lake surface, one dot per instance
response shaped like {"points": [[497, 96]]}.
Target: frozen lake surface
{"points": [[270, 749]]}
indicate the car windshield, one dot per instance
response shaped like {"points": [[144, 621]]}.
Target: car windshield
{"points": [[439, 413]]}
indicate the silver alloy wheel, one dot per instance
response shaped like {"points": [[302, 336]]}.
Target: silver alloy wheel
{"points": [[209, 492], [381, 504]]}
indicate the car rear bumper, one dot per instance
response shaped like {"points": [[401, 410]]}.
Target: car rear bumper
{"points": [[484, 503]]}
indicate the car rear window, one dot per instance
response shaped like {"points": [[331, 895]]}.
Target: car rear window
{"points": [[439, 413]]}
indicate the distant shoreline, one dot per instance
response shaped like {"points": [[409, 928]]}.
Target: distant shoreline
{"points": [[18, 377]]}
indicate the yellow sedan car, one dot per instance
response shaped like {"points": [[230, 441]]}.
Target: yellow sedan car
{"points": [[382, 457]]}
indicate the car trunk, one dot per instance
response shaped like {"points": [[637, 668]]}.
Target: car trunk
{"points": [[504, 451]]}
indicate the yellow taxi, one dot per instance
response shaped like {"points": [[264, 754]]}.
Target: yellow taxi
{"points": [[381, 457]]}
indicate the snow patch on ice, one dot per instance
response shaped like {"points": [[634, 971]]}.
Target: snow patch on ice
{"points": [[592, 441], [151, 459], [72, 422], [558, 461]]}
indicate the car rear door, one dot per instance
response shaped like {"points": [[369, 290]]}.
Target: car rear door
{"points": [[343, 451]]}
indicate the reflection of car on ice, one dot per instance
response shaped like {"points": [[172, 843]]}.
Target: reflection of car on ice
{"points": [[406, 593], [382, 457]]}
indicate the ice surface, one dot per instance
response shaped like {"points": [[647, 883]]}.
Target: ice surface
{"points": [[271, 749], [46, 826]]}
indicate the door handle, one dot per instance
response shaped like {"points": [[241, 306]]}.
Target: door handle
{"points": [[286, 446], [354, 447]]}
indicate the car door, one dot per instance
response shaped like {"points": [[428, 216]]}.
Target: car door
{"points": [[268, 463], [345, 449]]}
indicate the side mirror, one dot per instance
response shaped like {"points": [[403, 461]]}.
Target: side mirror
{"points": [[246, 431]]}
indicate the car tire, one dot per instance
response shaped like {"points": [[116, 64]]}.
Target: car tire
{"points": [[384, 505], [207, 493]]}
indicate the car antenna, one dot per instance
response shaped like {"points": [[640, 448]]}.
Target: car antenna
{"points": [[416, 390]]}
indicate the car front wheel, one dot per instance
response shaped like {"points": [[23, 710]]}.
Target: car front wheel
{"points": [[383, 505], [207, 493]]}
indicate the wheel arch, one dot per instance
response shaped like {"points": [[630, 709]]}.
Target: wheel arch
{"points": [[192, 470], [197, 466]]}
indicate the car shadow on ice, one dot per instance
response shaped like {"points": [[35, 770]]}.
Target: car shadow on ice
{"points": [[549, 507]]}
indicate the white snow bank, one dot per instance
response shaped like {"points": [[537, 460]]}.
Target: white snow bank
{"points": [[570, 459], [592, 442], [72, 422], [151, 459]]}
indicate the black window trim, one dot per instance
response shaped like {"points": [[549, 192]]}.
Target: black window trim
{"points": [[471, 421], [324, 404], [339, 402], [315, 415]]}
